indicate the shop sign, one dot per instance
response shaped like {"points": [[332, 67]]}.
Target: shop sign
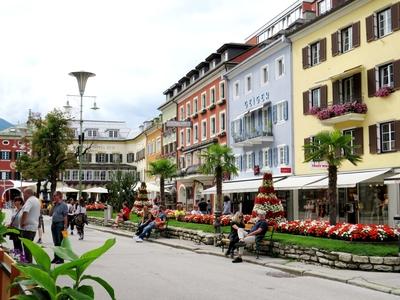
{"points": [[286, 170], [256, 100], [319, 164], [178, 124]]}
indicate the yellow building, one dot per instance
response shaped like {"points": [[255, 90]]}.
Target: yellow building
{"points": [[349, 57], [153, 145]]}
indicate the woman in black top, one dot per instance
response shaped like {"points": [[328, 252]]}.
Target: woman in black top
{"points": [[236, 223]]}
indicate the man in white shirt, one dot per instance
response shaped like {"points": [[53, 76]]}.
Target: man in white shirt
{"points": [[29, 219]]}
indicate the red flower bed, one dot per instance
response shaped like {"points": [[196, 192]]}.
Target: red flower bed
{"points": [[95, 206], [342, 231]]}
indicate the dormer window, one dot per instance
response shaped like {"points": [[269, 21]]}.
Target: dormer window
{"points": [[324, 6], [92, 132], [113, 133]]}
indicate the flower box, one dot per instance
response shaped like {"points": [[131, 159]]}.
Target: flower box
{"points": [[221, 101], [211, 107], [203, 111], [384, 91], [195, 115], [337, 113]]}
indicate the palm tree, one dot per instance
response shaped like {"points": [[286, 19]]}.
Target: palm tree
{"points": [[163, 168], [334, 148], [218, 160]]}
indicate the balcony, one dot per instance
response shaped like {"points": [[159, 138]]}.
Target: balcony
{"points": [[195, 115], [355, 117], [340, 113], [253, 137]]}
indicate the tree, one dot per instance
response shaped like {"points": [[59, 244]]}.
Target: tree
{"points": [[163, 168], [334, 148], [217, 161], [121, 188], [50, 145]]}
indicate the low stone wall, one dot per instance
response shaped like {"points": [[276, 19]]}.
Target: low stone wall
{"points": [[339, 260]]}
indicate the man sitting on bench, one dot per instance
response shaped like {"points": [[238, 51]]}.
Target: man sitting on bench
{"points": [[158, 222], [256, 232]]}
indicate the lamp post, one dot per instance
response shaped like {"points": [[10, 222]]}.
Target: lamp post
{"points": [[81, 77]]}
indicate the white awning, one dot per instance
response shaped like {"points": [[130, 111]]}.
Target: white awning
{"points": [[18, 183], [393, 179], [297, 182], [98, 190], [349, 179], [239, 186], [66, 189]]}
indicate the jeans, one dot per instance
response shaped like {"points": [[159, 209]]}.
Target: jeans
{"points": [[56, 232], [247, 239], [147, 230], [30, 235]]}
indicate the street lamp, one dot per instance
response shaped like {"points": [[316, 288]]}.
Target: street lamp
{"points": [[82, 78]]}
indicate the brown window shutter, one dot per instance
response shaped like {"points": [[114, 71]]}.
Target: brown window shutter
{"points": [[396, 74], [336, 3], [306, 142], [306, 61], [336, 92], [356, 34], [373, 149], [306, 102], [359, 140], [324, 96], [357, 87], [371, 82], [396, 16], [397, 135], [322, 49], [335, 43], [370, 26]]}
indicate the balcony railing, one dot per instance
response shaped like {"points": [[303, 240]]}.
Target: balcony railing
{"points": [[253, 136]]}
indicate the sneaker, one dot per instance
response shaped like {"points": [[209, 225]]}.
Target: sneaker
{"points": [[139, 240], [227, 253], [72, 233], [237, 260], [39, 241]]}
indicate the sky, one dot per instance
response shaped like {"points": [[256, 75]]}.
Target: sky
{"points": [[137, 49]]}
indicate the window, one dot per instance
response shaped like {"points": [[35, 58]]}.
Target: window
{"points": [[130, 157], [89, 175], [195, 105], [283, 155], [324, 6], [266, 157], [280, 67], [6, 142], [280, 112], [222, 90], [5, 155], [181, 140], [92, 132], [203, 100], [67, 175], [188, 137], [158, 145], [248, 83], [347, 90], [87, 158], [351, 133], [316, 97], [212, 126], [250, 160], [188, 160], [236, 89], [113, 133], [346, 39], [188, 110], [387, 137], [212, 95], [96, 175], [103, 175], [203, 130], [182, 114], [222, 121], [386, 75], [264, 74], [75, 175], [195, 133], [314, 51], [384, 22], [237, 162]]}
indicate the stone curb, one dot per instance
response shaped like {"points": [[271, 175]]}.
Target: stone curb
{"points": [[281, 267]]}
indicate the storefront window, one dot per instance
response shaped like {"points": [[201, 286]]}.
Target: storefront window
{"points": [[313, 204], [373, 203]]}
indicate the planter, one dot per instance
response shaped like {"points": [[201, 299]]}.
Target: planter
{"points": [[211, 107], [221, 101], [344, 118], [203, 111]]}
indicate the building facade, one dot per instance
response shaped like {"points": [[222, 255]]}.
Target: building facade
{"points": [[346, 76]]}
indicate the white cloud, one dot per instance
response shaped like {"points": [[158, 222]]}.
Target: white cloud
{"points": [[136, 48]]}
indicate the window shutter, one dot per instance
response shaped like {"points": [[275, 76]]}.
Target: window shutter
{"points": [[285, 110], [287, 155], [244, 162], [371, 82], [260, 158], [97, 157], [356, 34], [322, 49], [306, 142], [275, 155], [397, 135], [336, 92], [274, 114], [270, 158], [306, 59], [306, 102], [373, 149], [370, 27], [324, 96], [396, 16], [336, 3], [89, 155], [335, 43], [357, 87], [120, 158], [106, 155], [396, 74], [111, 158], [359, 140]]}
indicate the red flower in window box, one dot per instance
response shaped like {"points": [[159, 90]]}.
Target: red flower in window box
{"points": [[384, 91]]}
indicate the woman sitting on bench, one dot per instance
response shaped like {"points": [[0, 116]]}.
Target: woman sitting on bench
{"points": [[236, 223], [123, 215]]}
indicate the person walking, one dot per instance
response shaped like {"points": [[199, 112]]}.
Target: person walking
{"points": [[80, 218], [59, 214], [29, 220], [15, 224]]}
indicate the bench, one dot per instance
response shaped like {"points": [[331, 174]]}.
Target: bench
{"points": [[260, 241], [163, 230]]}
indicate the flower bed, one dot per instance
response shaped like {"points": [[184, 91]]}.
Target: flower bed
{"points": [[339, 110], [342, 231], [95, 206], [202, 219]]}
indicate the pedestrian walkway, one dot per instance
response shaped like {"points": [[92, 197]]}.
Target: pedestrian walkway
{"points": [[380, 281]]}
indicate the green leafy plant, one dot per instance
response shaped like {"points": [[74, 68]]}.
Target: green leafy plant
{"points": [[4, 229], [41, 279]]}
